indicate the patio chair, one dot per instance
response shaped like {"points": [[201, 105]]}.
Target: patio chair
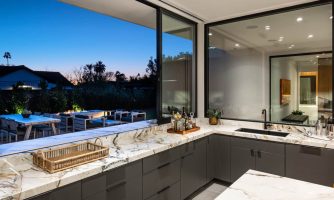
{"points": [[134, 116], [13, 130], [83, 122], [66, 123]]}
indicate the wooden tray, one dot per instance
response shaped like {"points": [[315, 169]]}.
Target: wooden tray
{"points": [[67, 157], [171, 130]]}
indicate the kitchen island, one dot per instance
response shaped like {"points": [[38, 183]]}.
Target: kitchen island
{"points": [[255, 185]]}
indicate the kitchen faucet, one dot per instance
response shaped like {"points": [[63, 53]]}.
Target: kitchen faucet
{"points": [[265, 122]]}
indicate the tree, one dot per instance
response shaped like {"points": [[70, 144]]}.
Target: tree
{"points": [[7, 56], [120, 77], [152, 68], [99, 69]]}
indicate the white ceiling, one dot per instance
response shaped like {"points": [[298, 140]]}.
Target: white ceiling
{"points": [[128, 10], [215, 10], [252, 34]]}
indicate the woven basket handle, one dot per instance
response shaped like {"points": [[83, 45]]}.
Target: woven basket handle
{"points": [[98, 139], [40, 154]]}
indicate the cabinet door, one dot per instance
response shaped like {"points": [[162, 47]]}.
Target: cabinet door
{"points": [[310, 164], [242, 157], [193, 167], [222, 158], [270, 158]]}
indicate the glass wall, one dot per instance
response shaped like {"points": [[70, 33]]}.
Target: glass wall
{"points": [[178, 68], [252, 65], [80, 66]]}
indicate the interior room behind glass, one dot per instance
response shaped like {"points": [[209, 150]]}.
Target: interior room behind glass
{"points": [[283, 63]]}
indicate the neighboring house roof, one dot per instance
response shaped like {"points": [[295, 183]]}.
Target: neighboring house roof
{"points": [[51, 77], [4, 70], [54, 77]]}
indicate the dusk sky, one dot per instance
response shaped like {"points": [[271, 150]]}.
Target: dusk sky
{"points": [[50, 35]]}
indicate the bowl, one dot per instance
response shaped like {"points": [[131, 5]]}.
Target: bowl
{"points": [[25, 115]]}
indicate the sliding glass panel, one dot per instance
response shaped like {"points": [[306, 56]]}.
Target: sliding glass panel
{"points": [[178, 65]]}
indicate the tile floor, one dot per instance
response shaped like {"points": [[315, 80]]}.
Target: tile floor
{"points": [[211, 192]]}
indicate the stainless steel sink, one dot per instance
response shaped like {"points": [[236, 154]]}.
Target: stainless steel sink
{"points": [[263, 132]]}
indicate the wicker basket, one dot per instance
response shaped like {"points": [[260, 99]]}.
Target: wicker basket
{"points": [[67, 157]]}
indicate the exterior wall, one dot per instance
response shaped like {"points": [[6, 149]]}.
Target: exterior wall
{"points": [[7, 81]]}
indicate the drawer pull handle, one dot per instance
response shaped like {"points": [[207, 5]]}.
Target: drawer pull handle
{"points": [[111, 187], [252, 152], [164, 165], [164, 189]]}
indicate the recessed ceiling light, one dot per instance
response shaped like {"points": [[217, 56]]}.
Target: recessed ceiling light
{"points": [[267, 28], [237, 45], [331, 17], [281, 39], [317, 56], [212, 47], [299, 19], [310, 36], [210, 34]]}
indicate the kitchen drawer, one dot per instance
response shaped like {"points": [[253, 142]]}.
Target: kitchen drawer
{"points": [[271, 147], [161, 178], [125, 183], [155, 161], [243, 143], [93, 185], [129, 171], [72, 191], [187, 149], [168, 193]]}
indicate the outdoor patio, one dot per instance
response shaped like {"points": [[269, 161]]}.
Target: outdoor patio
{"points": [[15, 127]]}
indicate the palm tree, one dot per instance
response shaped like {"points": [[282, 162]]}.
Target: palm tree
{"points": [[7, 56]]}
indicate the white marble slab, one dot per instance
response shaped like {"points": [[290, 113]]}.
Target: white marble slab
{"points": [[254, 185], [127, 143]]}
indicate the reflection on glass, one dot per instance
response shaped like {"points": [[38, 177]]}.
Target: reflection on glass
{"points": [[311, 88], [252, 65], [177, 65], [307, 90]]}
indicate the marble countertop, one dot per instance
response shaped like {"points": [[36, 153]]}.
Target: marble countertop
{"points": [[255, 185], [20, 179]]}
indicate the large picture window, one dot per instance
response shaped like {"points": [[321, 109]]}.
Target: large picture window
{"points": [[279, 60]]}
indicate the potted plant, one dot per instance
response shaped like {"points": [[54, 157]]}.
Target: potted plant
{"points": [[26, 113], [297, 112], [214, 115]]}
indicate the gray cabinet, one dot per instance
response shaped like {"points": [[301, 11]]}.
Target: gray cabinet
{"points": [[160, 173], [310, 164], [169, 193], [219, 158], [258, 155], [123, 183], [193, 167]]}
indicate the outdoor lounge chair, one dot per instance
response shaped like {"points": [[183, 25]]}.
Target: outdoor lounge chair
{"points": [[82, 123], [134, 116]]}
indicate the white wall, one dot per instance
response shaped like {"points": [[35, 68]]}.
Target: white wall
{"points": [[283, 68]]}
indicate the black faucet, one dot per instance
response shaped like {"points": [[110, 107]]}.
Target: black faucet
{"points": [[265, 122]]}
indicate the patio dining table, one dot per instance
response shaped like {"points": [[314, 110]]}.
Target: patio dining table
{"points": [[32, 120]]}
